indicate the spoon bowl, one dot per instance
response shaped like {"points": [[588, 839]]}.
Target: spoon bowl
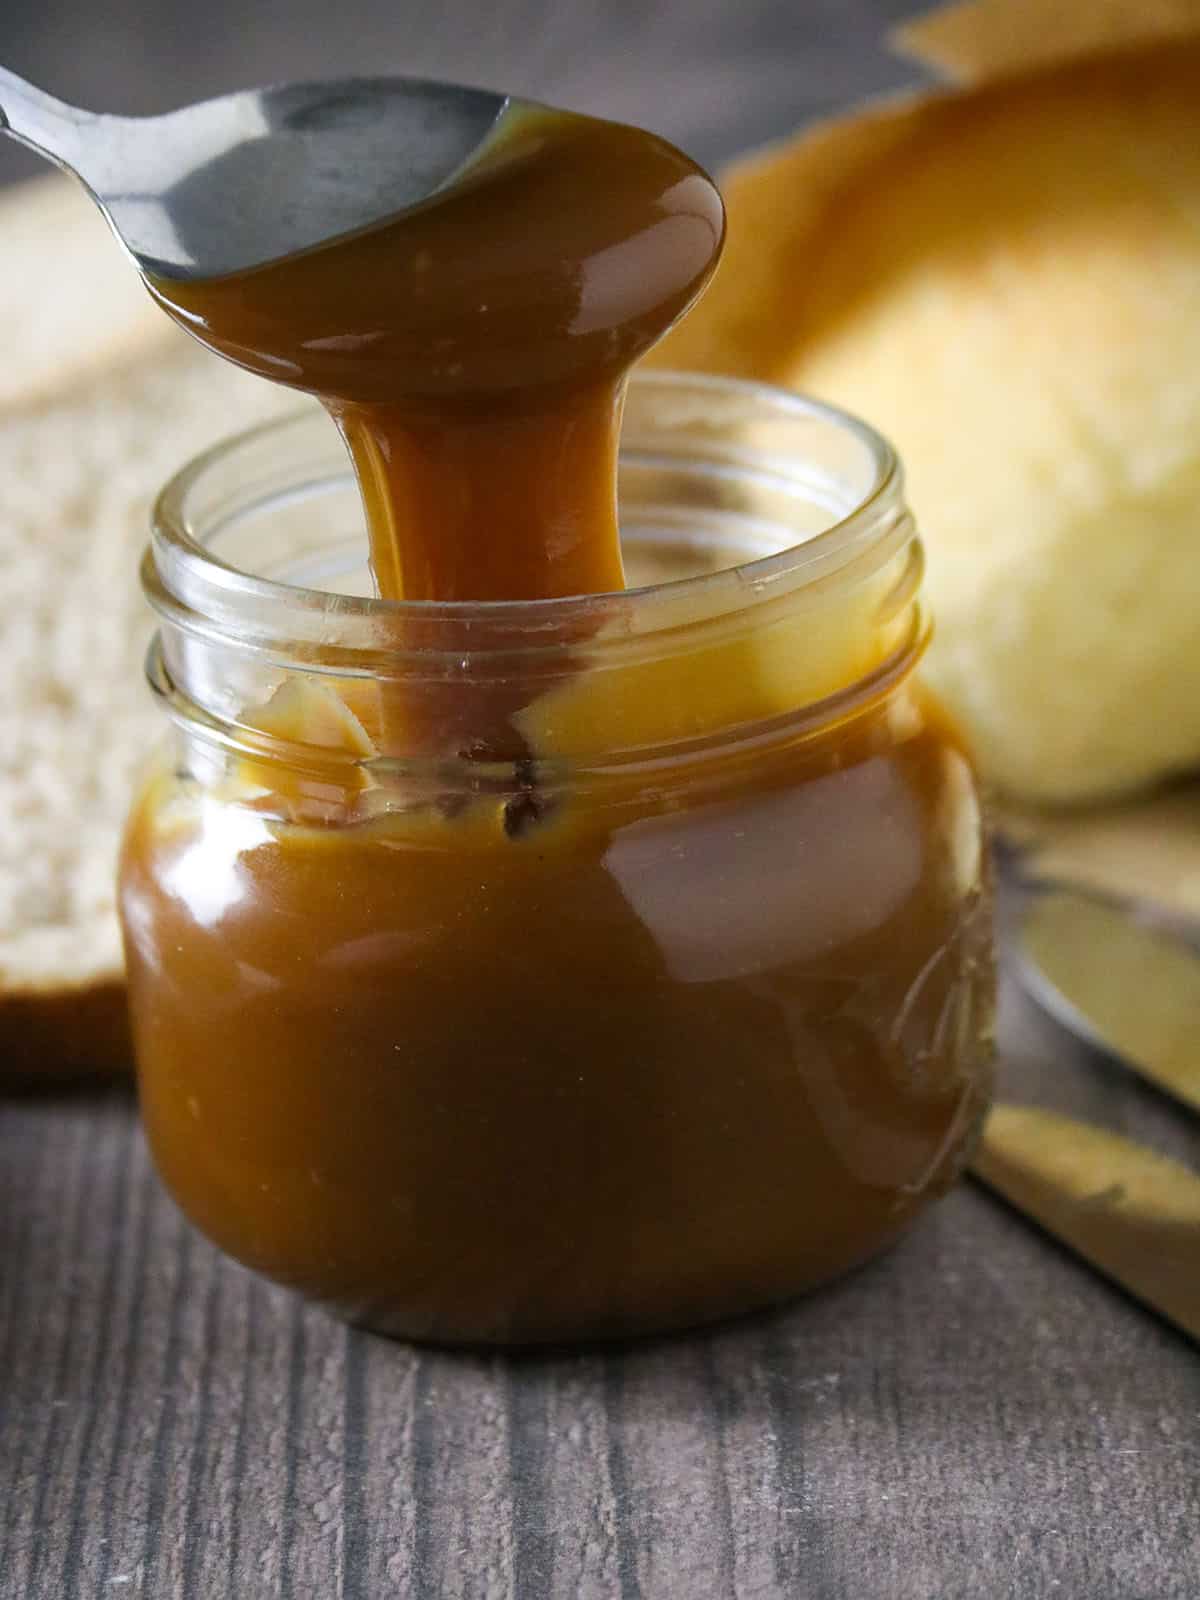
{"points": [[234, 183]]}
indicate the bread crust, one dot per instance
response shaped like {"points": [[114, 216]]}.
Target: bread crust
{"points": [[50, 1038]]}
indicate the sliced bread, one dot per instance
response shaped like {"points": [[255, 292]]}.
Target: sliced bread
{"points": [[104, 418]]}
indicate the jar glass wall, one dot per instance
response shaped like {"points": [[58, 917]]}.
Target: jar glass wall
{"points": [[529, 972]]}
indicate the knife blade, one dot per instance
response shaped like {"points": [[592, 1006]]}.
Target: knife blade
{"points": [[1129, 985], [1131, 1213]]}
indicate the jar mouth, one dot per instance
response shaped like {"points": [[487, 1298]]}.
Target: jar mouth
{"points": [[743, 430]]}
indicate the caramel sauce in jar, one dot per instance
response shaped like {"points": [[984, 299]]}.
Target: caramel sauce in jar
{"points": [[530, 959]]}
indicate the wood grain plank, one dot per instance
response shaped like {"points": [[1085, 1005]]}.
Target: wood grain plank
{"points": [[315, 1454], [753, 1457], [675, 1500], [42, 1365], [383, 1400], [564, 1499], [464, 1505], [260, 1477]]}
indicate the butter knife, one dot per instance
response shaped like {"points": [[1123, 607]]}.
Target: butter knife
{"points": [[1122, 977], [1131, 1213]]}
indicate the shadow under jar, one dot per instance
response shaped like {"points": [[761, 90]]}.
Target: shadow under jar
{"points": [[682, 1010]]}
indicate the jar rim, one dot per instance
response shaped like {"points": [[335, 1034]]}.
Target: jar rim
{"points": [[194, 588]]}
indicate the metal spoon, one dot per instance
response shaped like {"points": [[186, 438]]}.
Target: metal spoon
{"points": [[233, 183]]}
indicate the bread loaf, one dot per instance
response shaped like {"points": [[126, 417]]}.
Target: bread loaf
{"points": [[1006, 280]]}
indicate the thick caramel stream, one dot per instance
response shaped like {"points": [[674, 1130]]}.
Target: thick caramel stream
{"points": [[474, 351]]}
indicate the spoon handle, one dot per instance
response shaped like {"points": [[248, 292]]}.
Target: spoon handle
{"points": [[49, 126]]}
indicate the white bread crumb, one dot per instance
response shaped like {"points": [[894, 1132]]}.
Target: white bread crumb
{"points": [[71, 304], [79, 474]]}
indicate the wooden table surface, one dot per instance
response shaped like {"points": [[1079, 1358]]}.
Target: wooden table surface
{"points": [[974, 1415]]}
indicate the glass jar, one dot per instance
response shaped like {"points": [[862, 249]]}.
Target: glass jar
{"points": [[542, 971]]}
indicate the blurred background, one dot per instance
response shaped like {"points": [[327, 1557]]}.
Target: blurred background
{"points": [[713, 75]]}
